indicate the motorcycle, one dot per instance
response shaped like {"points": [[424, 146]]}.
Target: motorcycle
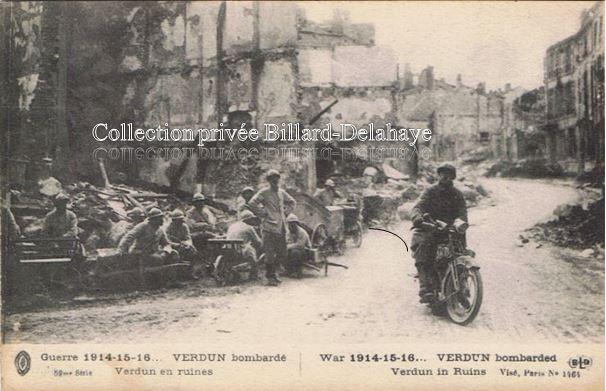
{"points": [[456, 279]]}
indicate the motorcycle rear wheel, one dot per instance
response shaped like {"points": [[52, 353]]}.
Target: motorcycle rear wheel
{"points": [[462, 307]]}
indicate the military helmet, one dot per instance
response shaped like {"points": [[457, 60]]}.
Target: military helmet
{"points": [[248, 216], [292, 218], [198, 197], [177, 214], [272, 173], [247, 188], [61, 198], [154, 213]]}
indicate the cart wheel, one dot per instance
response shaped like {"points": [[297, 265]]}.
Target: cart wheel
{"points": [[357, 235], [319, 236]]}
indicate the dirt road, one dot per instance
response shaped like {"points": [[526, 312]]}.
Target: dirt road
{"points": [[529, 292]]}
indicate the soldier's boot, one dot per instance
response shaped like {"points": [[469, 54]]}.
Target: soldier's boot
{"points": [[425, 289]]}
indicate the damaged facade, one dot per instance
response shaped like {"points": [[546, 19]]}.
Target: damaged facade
{"points": [[574, 84], [187, 64], [203, 64], [469, 123]]}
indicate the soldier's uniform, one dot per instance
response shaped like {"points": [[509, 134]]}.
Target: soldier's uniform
{"points": [[442, 202], [252, 243], [146, 241], [60, 224], [271, 206], [178, 234], [298, 246], [325, 196], [200, 219], [328, 194]]}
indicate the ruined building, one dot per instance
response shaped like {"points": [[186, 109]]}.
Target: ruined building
{"points": [[574, 84], [464, 120], [188, 64], [203, 64]]}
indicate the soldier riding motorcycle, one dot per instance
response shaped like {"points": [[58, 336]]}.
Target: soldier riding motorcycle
{"points": [[448, 278]]}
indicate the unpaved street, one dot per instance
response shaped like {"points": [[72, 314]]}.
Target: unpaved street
{"points": [[542, 293]]}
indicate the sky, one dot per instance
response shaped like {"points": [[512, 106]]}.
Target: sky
{"points": [[495, 42]]}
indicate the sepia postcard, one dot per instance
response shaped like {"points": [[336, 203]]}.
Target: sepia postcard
{"points": [[302, 195]]}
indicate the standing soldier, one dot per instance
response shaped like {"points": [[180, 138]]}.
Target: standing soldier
{"points": [[272, 204]]}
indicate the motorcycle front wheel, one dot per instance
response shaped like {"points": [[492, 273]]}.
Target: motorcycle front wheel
{"points": [[462, 306]]}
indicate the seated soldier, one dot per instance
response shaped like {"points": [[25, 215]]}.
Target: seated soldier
{"points": [[244, 230], [179, 236], [242, 202], [201, 221], [328, 194], [147, 241], [298, 247], [135, 216], [60, 222]]}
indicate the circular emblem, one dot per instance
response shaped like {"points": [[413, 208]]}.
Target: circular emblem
{"points": [[23, 362]]}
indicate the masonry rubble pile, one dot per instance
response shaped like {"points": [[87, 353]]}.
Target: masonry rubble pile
{"points": [[387, 199], [102, 212], [578, 225], [530, 168]]}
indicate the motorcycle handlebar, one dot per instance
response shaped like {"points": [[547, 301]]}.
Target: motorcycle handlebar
{"points": [[441, 226]]}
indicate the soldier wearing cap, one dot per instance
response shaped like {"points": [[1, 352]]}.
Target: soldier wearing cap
{"points": [[272, 204], [242, 202], [244, 230], [298, 246], [328, 194], [148, 240], [60, 222], [441, 201]]}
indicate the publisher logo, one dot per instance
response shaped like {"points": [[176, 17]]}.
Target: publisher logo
{"points": [[580, 362], [23, 362]]}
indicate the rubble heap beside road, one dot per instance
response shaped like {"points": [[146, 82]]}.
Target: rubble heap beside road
{"points": [[387, 200], [579, 225]]}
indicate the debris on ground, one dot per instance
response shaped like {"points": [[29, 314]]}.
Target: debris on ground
{"points": [[388, 201], [578, 225], [102, 212], [525, 168]]}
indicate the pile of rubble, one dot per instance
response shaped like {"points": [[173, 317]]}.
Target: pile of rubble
{"points": [[102, 211], [526, 168], [578, 225], [390, 195]]}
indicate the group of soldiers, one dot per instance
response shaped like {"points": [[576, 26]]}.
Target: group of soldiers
{"points": [[266, 226]]}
